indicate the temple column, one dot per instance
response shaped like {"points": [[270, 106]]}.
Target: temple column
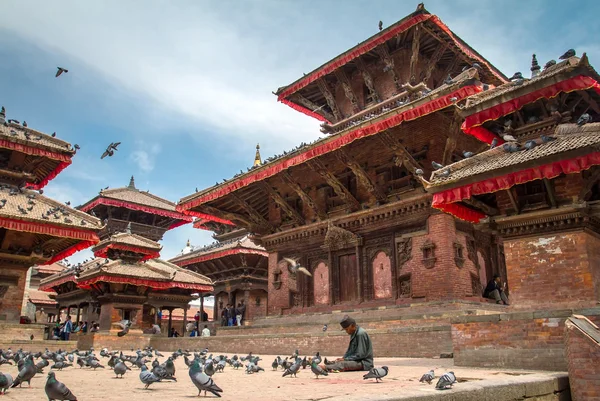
{"points": [[247, 304], [155, 315], [202, 308], [170, 321], [78, 313], [184, 320]]}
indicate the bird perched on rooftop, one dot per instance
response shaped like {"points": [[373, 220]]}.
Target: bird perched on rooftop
{"points": [[447, 379], [549, 64], [530, 144], [436, 166], [584, 119], [59, 71], [380, 25], [509, 138], [110, 150], [448, 80], [511, 147], [468, 154], [453, 99], [427, 377], [516, 76], [53, 135], [56, 390], [494, 143], [377, 373], [547, 138], [476, 66], [419, 172], [568, 54], [294, 266], [445, 173], [24, 123]]}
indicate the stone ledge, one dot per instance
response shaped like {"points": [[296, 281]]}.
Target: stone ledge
{"points": [[525, 315]]}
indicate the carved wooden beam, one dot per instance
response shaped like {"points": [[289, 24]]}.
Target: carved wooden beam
{"points": [[383, 53], [435, 58], [414, 57], [361, 175], [340, 74], [312, 106], [287, 209], [326, 92], [513, 200], [451, 141], [306, 199], [368, 79], [589, 184], [331, 179], [399, 151], [213, 267], [253, 213], [550, 191], [593, 104], [451, 66], [484, 207], [227, 215]]}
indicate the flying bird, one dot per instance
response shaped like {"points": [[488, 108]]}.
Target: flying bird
{"points": [[60, 71], [125, 325], [110, 150], [568, 54], [294, 266]]}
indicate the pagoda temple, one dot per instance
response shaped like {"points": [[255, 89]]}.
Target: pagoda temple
{"points": [[34, 229], [126, 279], [357, 207]]}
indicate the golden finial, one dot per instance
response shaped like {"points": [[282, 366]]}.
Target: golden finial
{"points": [[257, 159]]}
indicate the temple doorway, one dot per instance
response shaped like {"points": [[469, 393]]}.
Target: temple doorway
{"points": [[348, 278]]}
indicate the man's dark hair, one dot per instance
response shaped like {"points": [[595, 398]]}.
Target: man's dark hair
{"points": [[496, 276]]}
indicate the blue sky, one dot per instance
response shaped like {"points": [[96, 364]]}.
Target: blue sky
{"points": [[186, 85]]}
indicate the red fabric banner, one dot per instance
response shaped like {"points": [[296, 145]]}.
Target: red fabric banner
{"points": [[48, 229], [444, 200], [461, 211], [372, 43], [61, 166], [150, 254], [30, 150], [331, 145], [159, 285], [304, 110], [469, 126], [208, 217], [70, 251], [221, 254], [135, 206]]}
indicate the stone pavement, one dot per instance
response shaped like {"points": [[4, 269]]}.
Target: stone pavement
{"points": [[401, 384]]}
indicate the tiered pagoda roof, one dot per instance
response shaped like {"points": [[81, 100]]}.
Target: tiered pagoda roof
{"points": [[127, 242], [421, 30]]}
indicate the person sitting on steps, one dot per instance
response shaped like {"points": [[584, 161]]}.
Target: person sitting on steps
{"points": [[495, 290], [359, 355]]}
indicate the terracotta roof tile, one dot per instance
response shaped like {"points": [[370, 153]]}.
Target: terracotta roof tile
{"points": [[134, 195], [50, 269], [18, 207], [37, 139], [41, 297], [569, 137], [130, 239]]}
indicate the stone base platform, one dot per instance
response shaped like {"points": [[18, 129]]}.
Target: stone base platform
{"points": [[401, 384]]}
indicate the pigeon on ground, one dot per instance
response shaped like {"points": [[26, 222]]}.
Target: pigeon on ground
{"points": [[294, 267], [56, 390], [436, 166], [447, 379], [293, 370], [317, 358], [120, 368], [60, 71], [377, 373], [494, 143], [60, 365], [380, 25], [275, 364], [468, 154], [317, 370], [94, 364], [568, 54], [110, 150], [148, 377], [6, 381], [549, 64], [427, 377], [202, 381], [584, 119], [26, 373]]}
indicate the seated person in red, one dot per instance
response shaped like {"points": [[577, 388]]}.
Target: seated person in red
{"points": [[359, 355]]}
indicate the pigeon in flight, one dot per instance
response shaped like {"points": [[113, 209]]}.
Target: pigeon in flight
{"points": [[60, 71], [568, 54], [110, 150], [125, 325], [376, 373], [427, 377], [56, 390], [294, 267]]}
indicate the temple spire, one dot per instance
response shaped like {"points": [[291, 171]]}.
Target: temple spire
{"points": [[257, 159], [535, 67], [131, 183], [128, 229]]}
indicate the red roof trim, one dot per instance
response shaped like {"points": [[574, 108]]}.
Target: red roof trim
{"points": [[159, 285], [52, 175], [70, 251], [220, 254], [48, 286], [134, 206], [343, 140], [48, 229]]}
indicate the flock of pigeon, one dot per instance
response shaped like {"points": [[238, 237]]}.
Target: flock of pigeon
{"points": [[202, 366]]}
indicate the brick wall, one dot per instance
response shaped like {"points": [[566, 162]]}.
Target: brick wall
{"points": [[382, 276], [583, 355], [555, 270], [12, 301], [278, 298], [519, 340]]}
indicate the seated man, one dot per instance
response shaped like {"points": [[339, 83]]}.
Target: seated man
{"points": [[205, 331], [495, 291], [359, 355]]}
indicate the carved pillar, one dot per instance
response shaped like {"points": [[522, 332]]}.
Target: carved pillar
{"points": [[361, 175], [202, 308], [340, 74], [312, 106], [170, 323], [331, 282], [414, 58], [368, 79], [184, 326], [389, 64], [331, 180], [359, 274], [432, 64], [326, 92]]}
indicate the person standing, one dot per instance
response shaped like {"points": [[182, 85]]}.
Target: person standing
{"points": [[241, 309], [68, 328], [197, 320], [230, 314]]}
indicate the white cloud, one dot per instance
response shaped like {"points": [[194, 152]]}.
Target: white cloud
{"points": [[62, 192], [145, 159]]}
